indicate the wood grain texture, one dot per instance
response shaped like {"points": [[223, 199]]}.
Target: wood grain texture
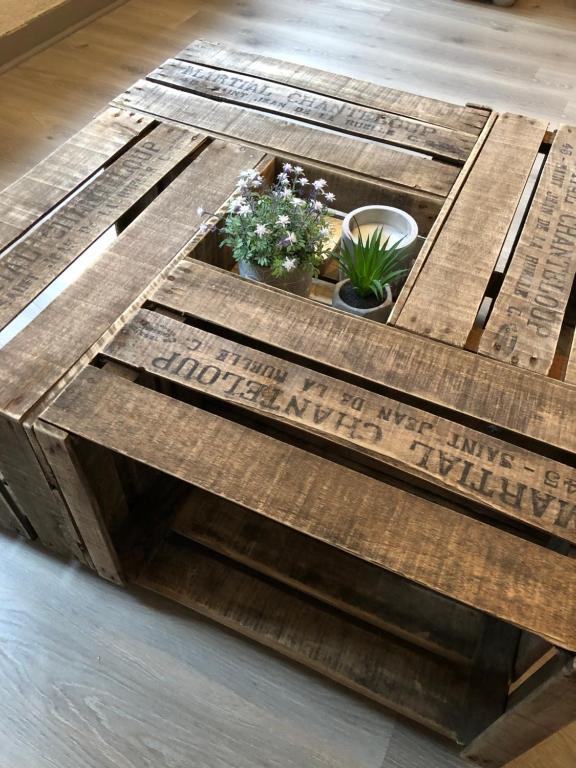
{"points": [[81, 501], [9, 518], [36, 359], [455, 52], [360, 589], [425, 542], [29, 486], [350, 187], [36, 261], [135, 680], [329, 84], [571, 369], [282, 136], [37, 192], [557, 751], [306, 106], [457, 460], [464, 383], [440, 220], [525, 323], [549, 708], [469, 243], [422, 686]]}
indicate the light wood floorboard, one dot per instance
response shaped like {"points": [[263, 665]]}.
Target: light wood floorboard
{"points": [[522, 58], [94, 676]]}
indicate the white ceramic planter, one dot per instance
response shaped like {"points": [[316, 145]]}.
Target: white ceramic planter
{"points": [[396, 223], [298, 281], [380, 313]]}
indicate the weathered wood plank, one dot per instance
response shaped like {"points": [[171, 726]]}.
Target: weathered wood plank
{"points": [[29, 486], [425, 542], [489, 678], [279, 135], [469, 243], [351, 188], [9, 519], [41, 354], [361, 92], [525, 322], [543, 712], [481, 468], [570, 376], [436, 374], [80, 499], [334, 577], [440, 220], [423, 687], [287, 101], [36, 362], [34, 262], [37, 192]]}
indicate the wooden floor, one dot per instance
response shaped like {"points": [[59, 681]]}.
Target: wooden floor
{"points": [[91, 675], [521, 58]]}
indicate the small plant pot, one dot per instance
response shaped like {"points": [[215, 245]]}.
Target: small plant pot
{"points": [[394, 222], [346, 298], [298, 281]]}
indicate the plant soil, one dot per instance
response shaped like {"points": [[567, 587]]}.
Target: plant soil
{"points": [[349, 294]]}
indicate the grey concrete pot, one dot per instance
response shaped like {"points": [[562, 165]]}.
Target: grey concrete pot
{"points": [[391, 218], [395, 220], [298, 281], [379, 313]]}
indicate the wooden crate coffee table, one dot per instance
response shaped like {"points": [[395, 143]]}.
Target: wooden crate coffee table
{"points": [[391, 505]]}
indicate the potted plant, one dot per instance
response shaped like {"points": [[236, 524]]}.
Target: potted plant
{"points": [[278, 234], [394, 222], [370, 266]]}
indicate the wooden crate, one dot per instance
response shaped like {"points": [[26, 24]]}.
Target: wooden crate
{"points": [[141, 177], [391, 505], [345, 492], [83, 237], [288, 498]]}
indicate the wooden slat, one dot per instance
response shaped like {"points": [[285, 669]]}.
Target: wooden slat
{"points": [[325, 111], [570, 377], [445, 298], [361, 92], [546, 710], [80, 500], [29, 486], [481, 468], [37, 192], [349, 188], [282, 136], [530, 650], [421, 686], [37, 361], [557, 751], [34, 262], [425, 542], [440, 220], [435, 373], [490, 678], [334, 577], [524, 325], [40, 355], [9, 519]]}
